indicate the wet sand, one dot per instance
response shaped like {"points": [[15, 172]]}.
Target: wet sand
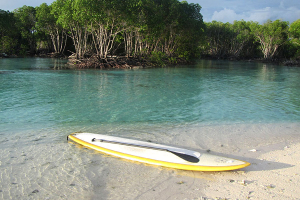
{"points": [[41, 164]]}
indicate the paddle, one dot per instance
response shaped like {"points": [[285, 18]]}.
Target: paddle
{"points": [[186, 157]]}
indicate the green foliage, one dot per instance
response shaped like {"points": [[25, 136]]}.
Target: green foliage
{"points": [[158, 57], [191, 30], [7, 45], [294, 31], [243, 40], [271, 36], [147, 26], [25, 21], [160, 30], [172, 60], [287, 50], [6, 22], [49, 30], [224, 40], [8, 32], [44, 17]]}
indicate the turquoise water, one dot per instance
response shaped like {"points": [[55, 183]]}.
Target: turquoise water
{"points": [[226, 107], [33, 95]]}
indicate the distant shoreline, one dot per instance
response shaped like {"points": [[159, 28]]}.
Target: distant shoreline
{"points": [[123, 62]]}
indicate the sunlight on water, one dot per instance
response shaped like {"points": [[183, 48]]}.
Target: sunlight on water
{"points": [[32, 94]]}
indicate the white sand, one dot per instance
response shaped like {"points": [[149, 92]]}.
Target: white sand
{"points": [[42, 165], [273, 175]]}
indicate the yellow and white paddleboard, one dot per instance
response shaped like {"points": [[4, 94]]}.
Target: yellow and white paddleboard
{"points": [[156, 154]]}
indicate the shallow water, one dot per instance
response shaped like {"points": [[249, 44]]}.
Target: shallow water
{"points": [[218, 105], [32, 95]]}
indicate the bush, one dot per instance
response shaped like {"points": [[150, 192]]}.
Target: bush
{"points": [[158, 57]]}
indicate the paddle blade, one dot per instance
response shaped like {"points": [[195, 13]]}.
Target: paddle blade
{"points": [[186, 157]]}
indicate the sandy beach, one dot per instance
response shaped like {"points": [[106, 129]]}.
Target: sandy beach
{"points": [[273, 175], [274, 172], [43, 165]]}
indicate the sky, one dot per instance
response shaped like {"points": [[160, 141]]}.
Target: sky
{"points": [[249, 10], [219, 10]]}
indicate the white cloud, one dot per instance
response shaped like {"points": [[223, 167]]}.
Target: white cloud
{"points": [[260, 15], [293, 13], [225, 15]]}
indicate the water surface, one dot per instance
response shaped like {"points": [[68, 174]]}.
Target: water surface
{"points": [[34, 95], [223, 106]]}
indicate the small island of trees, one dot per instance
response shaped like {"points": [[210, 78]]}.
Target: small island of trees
{"points": [[124, 33]]}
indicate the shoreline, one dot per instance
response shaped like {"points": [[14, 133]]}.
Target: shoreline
{"points": [[122, 62], [182, 107], [45, 165]]}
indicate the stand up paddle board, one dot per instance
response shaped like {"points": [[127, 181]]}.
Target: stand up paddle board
{"points": [[156, 154]]}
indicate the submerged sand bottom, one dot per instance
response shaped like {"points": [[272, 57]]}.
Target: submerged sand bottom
{"points": [[41, 164]]}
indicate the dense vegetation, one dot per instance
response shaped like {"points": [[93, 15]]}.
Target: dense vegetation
{"points": [[158, 30], [248, 40]]}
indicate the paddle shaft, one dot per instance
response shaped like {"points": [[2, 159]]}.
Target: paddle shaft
{"points": [[184, 156]]}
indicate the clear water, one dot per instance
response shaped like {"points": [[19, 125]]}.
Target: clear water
{"points": [[227, 107], [34, 95]]}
